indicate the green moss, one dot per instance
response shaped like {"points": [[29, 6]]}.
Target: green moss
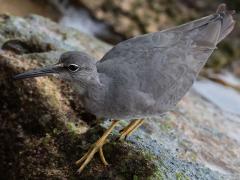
{"points": [[56, 131], [181, 176], [46, 139], [70, 126], [166, 126], [148, 155], [123, 123], [128, 162], [135, 177], [138, 138], [159, 175], [73, 129]]}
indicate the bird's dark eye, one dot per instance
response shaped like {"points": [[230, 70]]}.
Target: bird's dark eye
{"points": [[73, 67]]}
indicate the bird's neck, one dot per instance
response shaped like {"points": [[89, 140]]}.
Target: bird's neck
{"points": [[93, 94], [86, 84]]}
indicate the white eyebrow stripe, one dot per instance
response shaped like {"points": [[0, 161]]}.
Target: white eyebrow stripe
{"points": [[73, 65]]}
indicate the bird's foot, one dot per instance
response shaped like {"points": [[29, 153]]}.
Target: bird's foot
{"points": [[130, 128], [96, 147]]}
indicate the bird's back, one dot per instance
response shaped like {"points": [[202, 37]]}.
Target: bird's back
{"points": [[149, 74]]}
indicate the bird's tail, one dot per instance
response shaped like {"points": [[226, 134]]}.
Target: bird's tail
{"points": [[215, 29], [210, 30], [227, 22]]}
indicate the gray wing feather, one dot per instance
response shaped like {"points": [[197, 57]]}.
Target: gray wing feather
{"points": [[161, 39], [163, 65]]}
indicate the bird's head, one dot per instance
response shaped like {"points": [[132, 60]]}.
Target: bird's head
{"points": [[72, 65]]}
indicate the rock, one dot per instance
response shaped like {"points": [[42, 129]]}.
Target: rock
{"points": [[44, 129], [133, 17]]}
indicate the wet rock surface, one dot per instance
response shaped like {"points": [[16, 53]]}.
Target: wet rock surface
{"points": [[44, 129]]}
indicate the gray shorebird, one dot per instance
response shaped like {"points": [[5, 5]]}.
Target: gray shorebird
{"points": [[144, 76]]}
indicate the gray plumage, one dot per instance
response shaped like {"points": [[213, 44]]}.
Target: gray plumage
{"points": [[147, 75]]}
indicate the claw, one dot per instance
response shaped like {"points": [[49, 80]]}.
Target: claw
{"points": [[97, 147]]}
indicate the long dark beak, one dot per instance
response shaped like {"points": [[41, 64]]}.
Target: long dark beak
{"points": [[54, 69]]}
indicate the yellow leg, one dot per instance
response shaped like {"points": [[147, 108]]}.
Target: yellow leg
{"points": [[95, 148], [136, 127], [129, 126], [132, 126]]}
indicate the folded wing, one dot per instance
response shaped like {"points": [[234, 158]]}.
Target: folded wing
{"points": [[169, 59]]}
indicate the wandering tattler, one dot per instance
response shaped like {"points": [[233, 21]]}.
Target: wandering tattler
{"points": [[144, 76]]}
